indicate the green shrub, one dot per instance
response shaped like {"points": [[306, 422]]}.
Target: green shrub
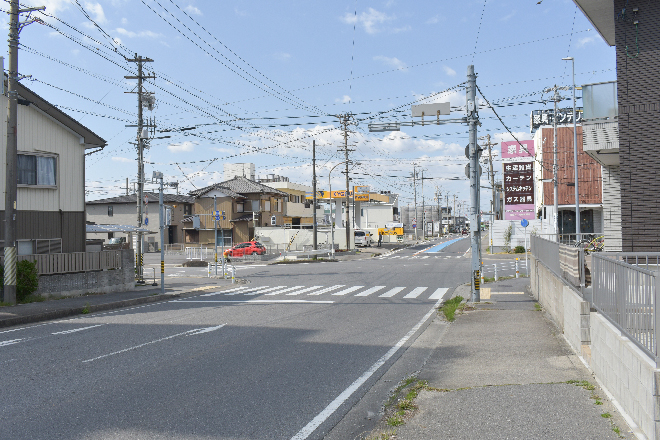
{"points": [[519, 249], [27, 279]]}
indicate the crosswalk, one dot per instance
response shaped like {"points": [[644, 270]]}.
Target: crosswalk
{"points": [[421, 292], [418, 257]]}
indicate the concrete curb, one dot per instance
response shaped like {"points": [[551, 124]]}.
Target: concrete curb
{"points": [[75, 311]]}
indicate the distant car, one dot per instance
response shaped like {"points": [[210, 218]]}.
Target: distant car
{"points": [[247, 248], [464, 232], [362, 238]]}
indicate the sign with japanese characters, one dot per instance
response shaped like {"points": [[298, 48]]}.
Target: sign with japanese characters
{"points": [[546, 117], [517, 151], [519, 191]]}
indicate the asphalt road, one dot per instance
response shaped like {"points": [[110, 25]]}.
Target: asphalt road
{"points": [[283, 357]]}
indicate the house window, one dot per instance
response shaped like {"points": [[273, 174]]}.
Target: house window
{"points": [[239, 207], [279, 205], [187, 209], [267, 206], [255, 205], [110, 209], [37, 170]]}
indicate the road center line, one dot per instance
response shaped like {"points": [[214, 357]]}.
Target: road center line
{"points": [[346, 394], [195, 331]]}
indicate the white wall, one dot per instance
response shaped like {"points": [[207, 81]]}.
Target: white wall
{"points": [[281, 237], [612, 208], [499, 227]]}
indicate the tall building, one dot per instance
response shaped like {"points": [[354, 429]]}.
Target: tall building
{"points": [[232, 170]]}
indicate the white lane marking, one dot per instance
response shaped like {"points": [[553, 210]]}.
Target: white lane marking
{"points": [[251, 289], [298, 292], [66, 332], [416, 292], [262, 301], [327, 289], [11, 342], [349, 290], [391, 293], [439, 293], [277, 292], [425, 257], [220, 292], [370, 291], [259, 292], [195, 331], [346, 394]]}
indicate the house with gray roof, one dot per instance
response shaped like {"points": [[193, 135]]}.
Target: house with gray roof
{"points": [[122, 210], [247, 204]]}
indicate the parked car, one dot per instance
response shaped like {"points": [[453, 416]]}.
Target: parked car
{"points": [[464, 232], [363, 238], [247, 248]]}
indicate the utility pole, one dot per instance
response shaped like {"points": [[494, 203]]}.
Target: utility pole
{"points": [[11, 181], [454, 210], [491, 174], [141, 139], [415, 188], [423, 210], [345, 121], [475, 217], [314, 192], [555, 167], [438, 198]]}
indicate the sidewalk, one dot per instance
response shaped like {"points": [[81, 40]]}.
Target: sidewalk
{"points": [[500, 372], [70, 306]]}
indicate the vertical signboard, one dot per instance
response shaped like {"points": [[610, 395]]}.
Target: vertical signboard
{"points": [[518, 166]]}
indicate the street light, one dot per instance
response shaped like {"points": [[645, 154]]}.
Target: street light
{"points": [[332, 223], [575, 157]]}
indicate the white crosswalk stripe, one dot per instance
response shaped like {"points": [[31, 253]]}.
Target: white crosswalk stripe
{"points": [[392, 292], [245, 292], [259, 292], [370, 291], [415, 292], [439, 293], [327, 289], [304, 290], [277, 292], [349, 290]]}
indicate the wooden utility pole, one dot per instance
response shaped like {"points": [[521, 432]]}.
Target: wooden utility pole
{"points": [[345, 120], [314, 194]]}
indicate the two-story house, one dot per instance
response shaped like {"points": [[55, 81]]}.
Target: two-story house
{"points": [[246, 203], [51, 176]]}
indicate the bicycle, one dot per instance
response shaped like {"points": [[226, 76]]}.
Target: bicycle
{"points": [[595, 244]]}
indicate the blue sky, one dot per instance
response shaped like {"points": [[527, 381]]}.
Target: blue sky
{"points": [[241, 72]]}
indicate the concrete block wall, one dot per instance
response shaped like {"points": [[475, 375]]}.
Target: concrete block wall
{"points": [[576, 320], [628, 373]]}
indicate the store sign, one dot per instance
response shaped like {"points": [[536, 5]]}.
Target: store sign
{"points": [[519, 191], [537, 118], [516, 151]]}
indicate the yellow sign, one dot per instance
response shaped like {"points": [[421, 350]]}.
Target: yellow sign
{"points": [[361, 197], [392, 231]]}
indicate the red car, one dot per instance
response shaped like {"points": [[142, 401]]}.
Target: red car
{"points": [[247, 248]]}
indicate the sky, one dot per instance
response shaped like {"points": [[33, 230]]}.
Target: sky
{"points": [[257, 81]]}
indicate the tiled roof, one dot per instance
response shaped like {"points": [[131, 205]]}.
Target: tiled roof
{"points": [[239, 186], [153, 198]]}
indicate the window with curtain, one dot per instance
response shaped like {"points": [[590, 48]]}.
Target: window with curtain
{"points": [[255, 205], [36, 170]]}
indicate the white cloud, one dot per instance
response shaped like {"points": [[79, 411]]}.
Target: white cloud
{"points": [[449, 71], [584, 41], [344, 99], [239, 12], [183, 147], [505, 136], [117, 41], [508, 17], [54, 6], [131, 34], [75, 51], [433, 20], [392, 62], [369, 19], [123, 160], [96, 11], [124, 20], [192, 10], [282, 56]]}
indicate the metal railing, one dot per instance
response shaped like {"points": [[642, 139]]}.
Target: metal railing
{"points": [[570, 239], [567, 262], [626, 294]]}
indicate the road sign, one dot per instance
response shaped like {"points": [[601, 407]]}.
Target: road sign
{"points": [[524, 223], [217, 217], [435, 109], [146, 221], [217, 213], [467, 171]]}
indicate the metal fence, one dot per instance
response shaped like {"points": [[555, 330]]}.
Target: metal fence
{"points": [[626, 294], [567, 262], [74, 262]]}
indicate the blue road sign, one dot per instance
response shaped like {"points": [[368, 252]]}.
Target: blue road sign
{"points": [[146, 221], [524, 223], [217, 217]]}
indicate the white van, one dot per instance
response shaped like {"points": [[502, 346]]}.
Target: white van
{"points": [[363, 238]]}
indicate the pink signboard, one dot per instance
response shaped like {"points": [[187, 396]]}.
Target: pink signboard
{"points": [[513, 150]]}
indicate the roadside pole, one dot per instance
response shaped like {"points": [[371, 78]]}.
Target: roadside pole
{"points": [[161, 221], [475, 218], [314, 194], [215, 234]]}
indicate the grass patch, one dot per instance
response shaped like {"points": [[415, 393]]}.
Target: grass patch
{"points": [[448, 308], [85, 309], [406, 405], [395, 421], [616, 430], [537, 307], [382, 436], [606, 415], [4, 304], [582, 383]]}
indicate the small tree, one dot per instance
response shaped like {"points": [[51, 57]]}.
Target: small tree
{"points": [[507, 238], [27, 279]]}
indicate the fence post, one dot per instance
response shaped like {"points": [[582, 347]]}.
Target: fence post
{"points": [[517, 275], [495, 266], [482, 273], [656, 322]]}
